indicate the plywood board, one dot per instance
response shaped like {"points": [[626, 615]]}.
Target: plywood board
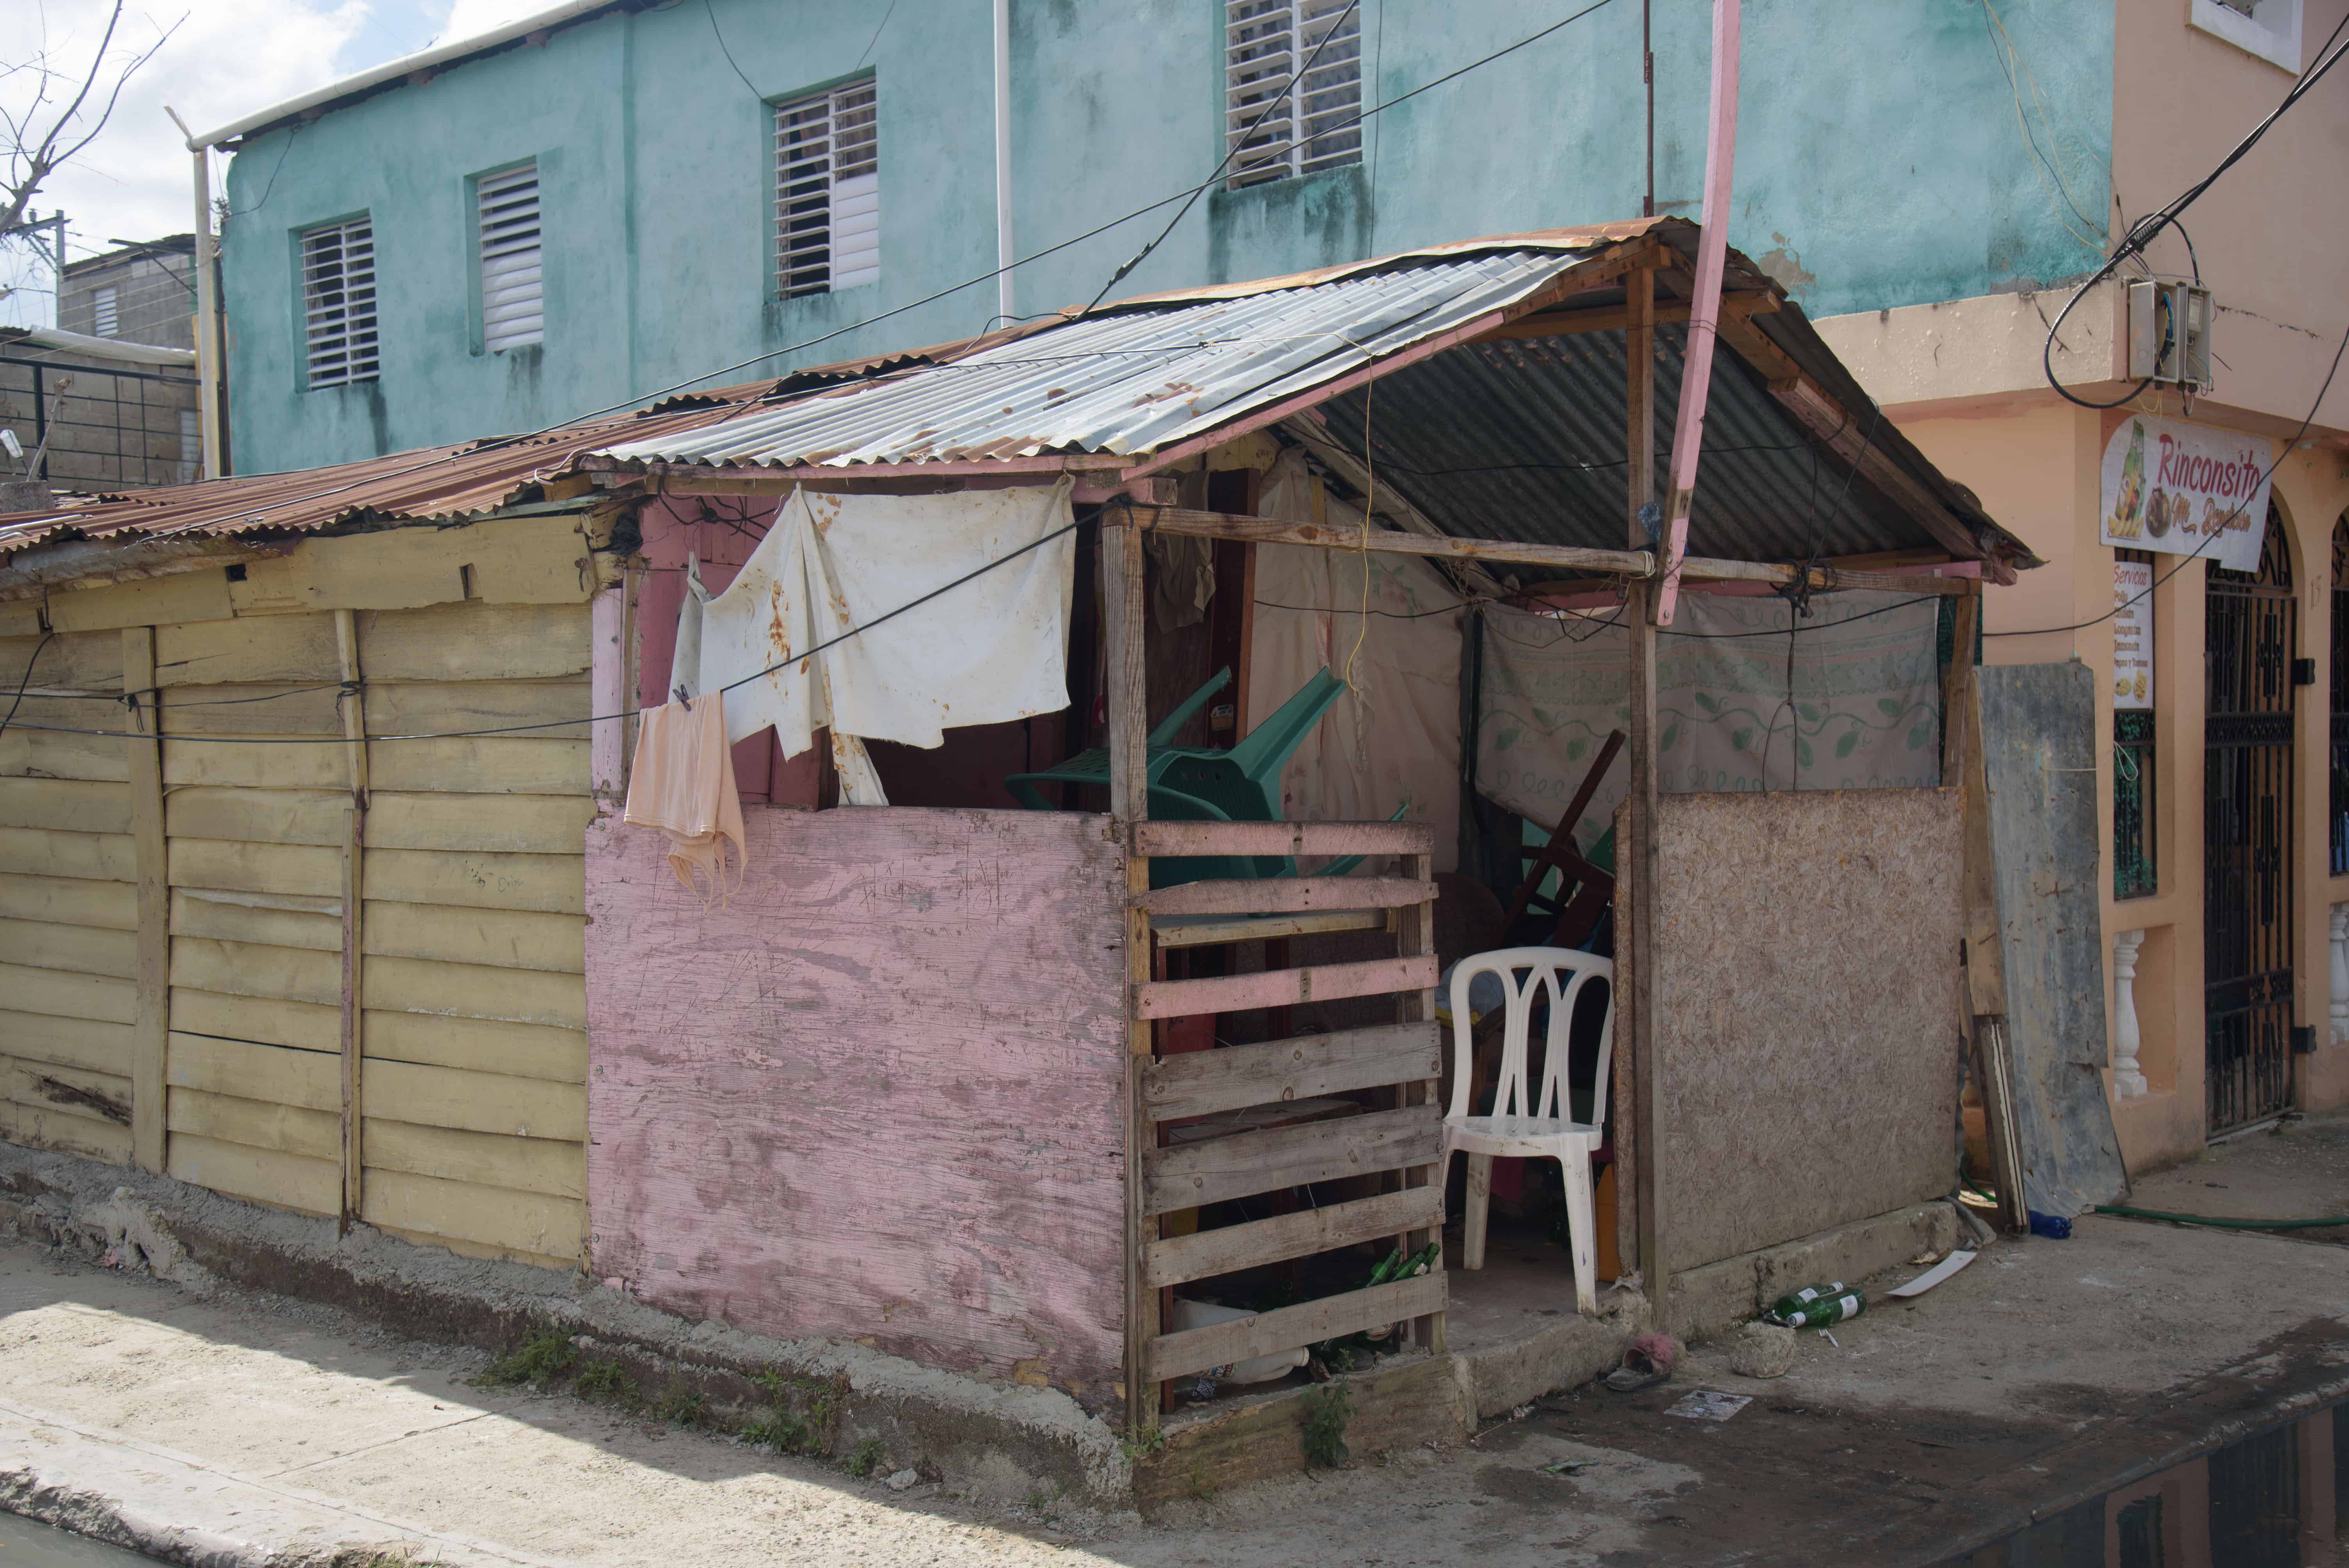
{"points": [[42, 852], [747, 1074], [94, 1043], [271, 815], [198, 595], [63, 995], [224, 863], [533, 560], [66, 804], [311, 1080], [292, 649], [71, 900], [472, 643], [29, 753], [475, 1101], [496, 1216], [432, 707], [256, 969], [513, 939], [550, 1167], [45, 1086], [2039, 754], [79, 948], [257, 1124], [52, 1128], [194, 914], [301, 1025], [80, 661], [507, 823], [255, 762], [481, 765], [479, 1045], [477, 991], [478, 879], [279, 707], [1806, 1032], [292, 1181]]}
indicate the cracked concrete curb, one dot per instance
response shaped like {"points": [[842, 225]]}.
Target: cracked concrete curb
{"points": [[997, 1442], [168, 1505]]}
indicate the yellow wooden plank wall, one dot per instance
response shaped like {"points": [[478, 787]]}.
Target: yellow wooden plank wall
{"points": [[68, 906], [474, 1005]]}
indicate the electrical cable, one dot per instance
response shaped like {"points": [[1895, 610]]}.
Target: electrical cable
{"points": [[1296, 78], [2209, 530], [25, 684], [2143, 233]]}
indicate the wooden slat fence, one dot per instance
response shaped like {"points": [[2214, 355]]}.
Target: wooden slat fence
{"points": [[1401, 1144]]}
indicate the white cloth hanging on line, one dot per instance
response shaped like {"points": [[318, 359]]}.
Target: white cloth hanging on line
{"points": [[682, 782], [989, 651]]}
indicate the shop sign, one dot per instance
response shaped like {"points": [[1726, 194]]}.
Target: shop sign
{"points": [[2186, 489], [2132, 634]]}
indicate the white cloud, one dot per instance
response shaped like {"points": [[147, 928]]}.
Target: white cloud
{"points": [[226, 58], [467, 18]]}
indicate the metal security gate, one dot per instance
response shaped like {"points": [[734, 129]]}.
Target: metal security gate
{"points": [[2250, 629]]}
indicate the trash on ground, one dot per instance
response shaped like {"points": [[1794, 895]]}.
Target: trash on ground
{"points": [[1705, 1405], [902, 1480], [1933, 1277], [1568, 1467], [1647, 1361], [2055, 1227], [1817, 1305], [1762, 1350]]}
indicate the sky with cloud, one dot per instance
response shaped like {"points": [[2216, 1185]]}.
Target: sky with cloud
{"points": [[222, 59]]}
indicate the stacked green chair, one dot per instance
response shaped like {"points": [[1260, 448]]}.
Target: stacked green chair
{"points": [[1198, 784]]}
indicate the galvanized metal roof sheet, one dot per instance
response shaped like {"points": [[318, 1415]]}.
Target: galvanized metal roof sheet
{"points": [[1127, 382]]}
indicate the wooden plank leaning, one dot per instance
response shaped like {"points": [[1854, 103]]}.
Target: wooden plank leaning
{"points": [[1189, 1175], [1179, 1259], [1283, 839], [151, 1029], [1286, 895], [353, 982], [1416, 940]]}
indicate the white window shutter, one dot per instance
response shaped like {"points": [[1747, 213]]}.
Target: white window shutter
{"points": [[513, 292], [828, 191], [108, 319], [338, 303], [1272, 129]]}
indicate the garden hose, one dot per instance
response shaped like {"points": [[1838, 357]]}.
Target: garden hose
{"points": [[2336, 1222]]}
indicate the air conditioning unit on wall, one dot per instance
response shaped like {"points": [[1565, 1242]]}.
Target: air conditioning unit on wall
{"points": [[2169, 333]]}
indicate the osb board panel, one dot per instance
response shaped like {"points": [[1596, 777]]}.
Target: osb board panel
{"points": [[876, 1094], [1807, 1022]]}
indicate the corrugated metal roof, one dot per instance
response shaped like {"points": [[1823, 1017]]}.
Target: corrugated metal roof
{"points": [[1127, 382], [434, 484]]}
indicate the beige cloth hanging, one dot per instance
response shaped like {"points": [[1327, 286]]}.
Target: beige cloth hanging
{"points": [[683, 784]]}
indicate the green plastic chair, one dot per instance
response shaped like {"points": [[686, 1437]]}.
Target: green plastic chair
{"points": [[1198, 784]]}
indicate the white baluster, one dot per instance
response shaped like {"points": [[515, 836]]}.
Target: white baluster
{"points": [[2127, 1079], [2340, 923]]}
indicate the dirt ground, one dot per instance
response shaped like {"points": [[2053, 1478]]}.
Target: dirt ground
{"points": [[2038, 1376]]}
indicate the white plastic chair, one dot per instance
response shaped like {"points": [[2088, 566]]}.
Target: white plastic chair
{"points": [[1522, 1124]]}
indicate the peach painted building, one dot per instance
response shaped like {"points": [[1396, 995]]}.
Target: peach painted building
{"points": [[2228, 905]]}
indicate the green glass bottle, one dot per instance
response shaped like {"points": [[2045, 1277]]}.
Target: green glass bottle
{"points": [[1836, 1304]]}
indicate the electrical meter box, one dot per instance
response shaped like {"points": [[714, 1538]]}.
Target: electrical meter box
{"points": [[2169, 333]]}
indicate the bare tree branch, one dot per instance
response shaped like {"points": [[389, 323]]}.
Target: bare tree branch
{"points": [[34, 144]]}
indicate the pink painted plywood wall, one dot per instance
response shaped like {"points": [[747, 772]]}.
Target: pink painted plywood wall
{"points": [[878, 1095]]}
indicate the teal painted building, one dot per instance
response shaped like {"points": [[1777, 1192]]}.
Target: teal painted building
{"points": [[381, 293]]}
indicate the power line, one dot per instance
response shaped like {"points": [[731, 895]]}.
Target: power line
{"points": [[640, 399], [2143, 233]]}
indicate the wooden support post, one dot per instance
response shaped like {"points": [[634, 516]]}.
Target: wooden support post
{"points": [[1963, 764], [1415, 938], [353, 705], [608, 666], [1127, 704], [1636, 1152], [151, 1026]]}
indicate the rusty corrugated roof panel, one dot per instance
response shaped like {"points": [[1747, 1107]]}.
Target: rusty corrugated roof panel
{"points": [[1128, 380]]}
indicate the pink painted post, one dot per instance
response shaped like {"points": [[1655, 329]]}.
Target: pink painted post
{"points": [[608, 692], [1704, 316]]}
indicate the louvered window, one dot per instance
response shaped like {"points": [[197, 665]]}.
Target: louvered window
{"points": [[512, 294], [1317, 125], [828, 191], [106, 320], [338, 302]]}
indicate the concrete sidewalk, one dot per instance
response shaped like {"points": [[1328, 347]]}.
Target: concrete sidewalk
{"points": [[236, 1428]]}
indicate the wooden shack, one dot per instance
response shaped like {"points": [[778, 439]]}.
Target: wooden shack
{"points": [[911, 1085]]}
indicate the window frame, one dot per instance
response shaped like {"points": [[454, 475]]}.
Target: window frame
{"points": [[1286, 146], [790, 270], [537, 165], [105, 311], [302, 306], [2273, 33], [2133, 747]]}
